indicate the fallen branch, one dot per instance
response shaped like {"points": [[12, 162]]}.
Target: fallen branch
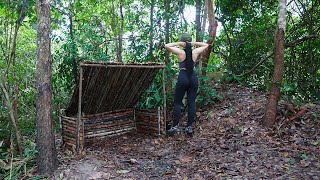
{"points": [[298, 114]]}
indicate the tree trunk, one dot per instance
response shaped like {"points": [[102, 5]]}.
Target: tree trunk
{"points": [[46, 158], [73, 48], [167, 29], [274, 96], [151, 31], [114, 29], [167, 35], [198, 23], [204, 19], [120, 32], [212, 33], [10, 55]]}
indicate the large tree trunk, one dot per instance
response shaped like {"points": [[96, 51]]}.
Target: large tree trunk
{"points": [[271, 107], [46, 158], [212, 33]]}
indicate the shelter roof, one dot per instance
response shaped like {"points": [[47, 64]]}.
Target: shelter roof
{"points": [[111, 86]]}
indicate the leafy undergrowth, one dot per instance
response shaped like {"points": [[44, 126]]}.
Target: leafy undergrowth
{"points": [[229, 143]]}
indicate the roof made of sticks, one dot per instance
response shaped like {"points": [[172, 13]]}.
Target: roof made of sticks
{"points": [[109, 86]]}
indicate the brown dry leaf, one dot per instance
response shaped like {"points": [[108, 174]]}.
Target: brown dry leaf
{"points": [[186, 159]]}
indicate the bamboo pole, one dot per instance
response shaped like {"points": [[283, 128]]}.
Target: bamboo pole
{"points": [[164, 102], [79, 110], [159, 122]]}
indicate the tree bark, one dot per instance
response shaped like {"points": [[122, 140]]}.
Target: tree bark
{"points": [[212, 33], [73, 48], [204, 19], [114, 29], [151, 31], [167, 29], [198, 23], [167, 35], [46, 158], [274, 96], [120, 32]]}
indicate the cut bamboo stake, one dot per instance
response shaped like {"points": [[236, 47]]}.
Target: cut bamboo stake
{"points": [[164, 102], [79, 110], [159, 121]]}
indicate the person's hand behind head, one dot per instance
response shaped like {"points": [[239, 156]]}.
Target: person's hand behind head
{"points": [[182, 44]]}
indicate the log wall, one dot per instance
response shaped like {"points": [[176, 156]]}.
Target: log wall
{"points": [[150, 122], [96, 127], [104, 125]]}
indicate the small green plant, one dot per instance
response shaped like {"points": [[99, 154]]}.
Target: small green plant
{"points": [[14, 166]]}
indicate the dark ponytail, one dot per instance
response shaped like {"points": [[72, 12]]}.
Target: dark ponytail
{"points": [[189, 61]]}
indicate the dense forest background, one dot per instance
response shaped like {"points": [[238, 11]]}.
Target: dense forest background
{"points": [[136, 31]]}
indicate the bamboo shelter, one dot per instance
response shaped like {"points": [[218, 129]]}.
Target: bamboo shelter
{"points": [[104, 100]]}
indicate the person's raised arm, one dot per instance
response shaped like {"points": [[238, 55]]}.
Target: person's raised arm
{"points": [[172, 47], [201, 47]]}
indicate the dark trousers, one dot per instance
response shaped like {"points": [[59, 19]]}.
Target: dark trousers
{"points": [[189, 85]]}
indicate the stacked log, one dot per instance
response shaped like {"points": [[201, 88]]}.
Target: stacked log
{"points": [[69, 132], [96, 127], [150, 122]]}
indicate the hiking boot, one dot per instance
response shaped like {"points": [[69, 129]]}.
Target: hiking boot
{"points": [[174, 130], [189, 130]]}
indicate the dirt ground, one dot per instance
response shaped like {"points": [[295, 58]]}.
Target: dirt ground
{"points": [[229, 143]]}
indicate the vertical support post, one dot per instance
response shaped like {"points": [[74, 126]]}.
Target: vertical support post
{"points": [[164, 102], [159, 122], [79, 110], [134, 118]]}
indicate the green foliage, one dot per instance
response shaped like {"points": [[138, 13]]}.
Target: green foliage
{"points": [[20, 165], [247, 38]]}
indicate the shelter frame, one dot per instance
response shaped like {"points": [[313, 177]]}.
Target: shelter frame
{"points": [[80, 123]]}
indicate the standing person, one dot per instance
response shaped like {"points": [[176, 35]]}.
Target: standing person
{"points": [[187, 79]]}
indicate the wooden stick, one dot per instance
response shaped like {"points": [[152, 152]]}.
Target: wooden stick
{"points": [[111, 132], [79, 109], [87, 129], [159, 121], [109, 128], [164, 101]]}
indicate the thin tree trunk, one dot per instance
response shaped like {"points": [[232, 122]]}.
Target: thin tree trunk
{"points": [[151, 31], [212, 33], [46, 158], [198, 23], [274, 96], [167, 35], [181, 12], [120, 32], [12, 115], [73, 48], [13, 107], [167, 29], [204, 19], [114, 29]]}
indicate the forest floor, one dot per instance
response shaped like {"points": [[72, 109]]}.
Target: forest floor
{"points": [[229, 143]]}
